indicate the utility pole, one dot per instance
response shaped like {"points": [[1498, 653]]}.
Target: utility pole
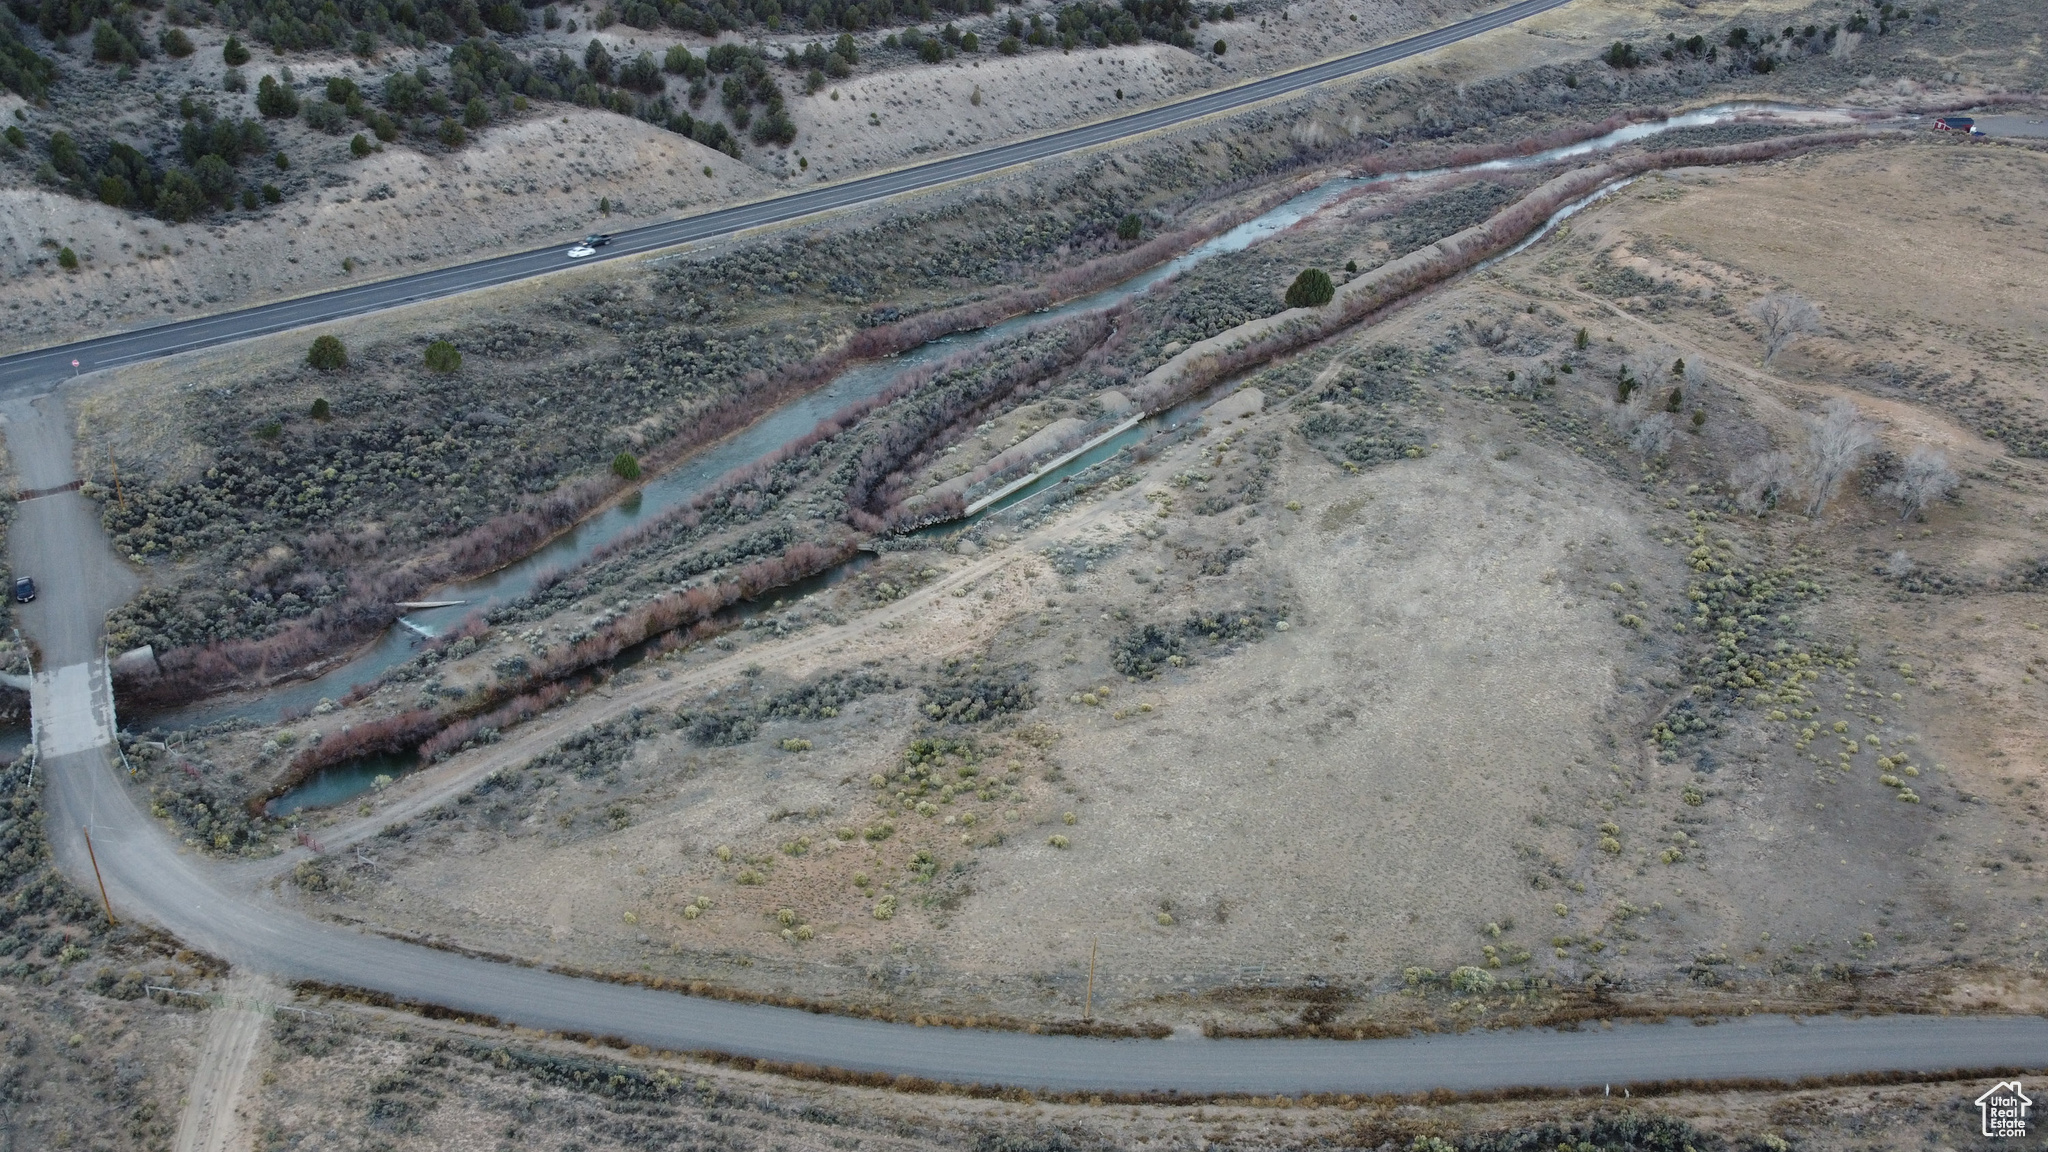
{"points": [[94, 857], [1087, 1006]]}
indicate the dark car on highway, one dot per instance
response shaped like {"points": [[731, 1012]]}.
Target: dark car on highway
{"points": [[597, 239], [24, 589]]}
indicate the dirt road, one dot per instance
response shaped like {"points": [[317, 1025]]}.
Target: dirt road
{"points": [[212, 1120]]}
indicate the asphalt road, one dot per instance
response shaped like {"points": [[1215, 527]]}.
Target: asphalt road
{"points": [[28, 373]]}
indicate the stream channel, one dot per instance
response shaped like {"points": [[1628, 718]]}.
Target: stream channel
{"points": [[679, 486]]}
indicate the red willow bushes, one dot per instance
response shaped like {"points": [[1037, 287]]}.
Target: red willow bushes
{"points": [[521, 708], [1257, 341], [875, 497], [755, 474], [367, 609], [437, 734], [1467, 154]]}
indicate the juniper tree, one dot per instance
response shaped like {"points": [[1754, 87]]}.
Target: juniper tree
{"points": [[327, 354], [1311, 289]]}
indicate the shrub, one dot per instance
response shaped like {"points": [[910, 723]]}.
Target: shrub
{"points": [[1009, 46], [966, 693], [272, 194], [250, 199], [641, 74], [403, 93], [67, 259], [180, 198], [1471, 980], [24, 71], [216, 179], [233, 53], [1311, 289], [110, 45], [232, 81], [359, 147], [970, 43], [327, 354], [1129, 227], [885, 908], [16, 137], [175, 43], [326, 116], [626, 467], [451, 135], [1622, 54], [443, 357], [321, 410], [64, 155], [681, 62], [476, 113], [1056, 841], [275, 100], [1219, 48]]}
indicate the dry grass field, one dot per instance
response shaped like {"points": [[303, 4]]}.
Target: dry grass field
{"points": [[1412, 721]]}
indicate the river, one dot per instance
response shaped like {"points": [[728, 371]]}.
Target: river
{"points": [[797, 417]]}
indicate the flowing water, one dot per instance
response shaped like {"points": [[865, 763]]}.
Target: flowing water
{"points": [[676, 488]]}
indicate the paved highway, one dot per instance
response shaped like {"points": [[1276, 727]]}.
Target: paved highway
{"points": [[28, 373]]}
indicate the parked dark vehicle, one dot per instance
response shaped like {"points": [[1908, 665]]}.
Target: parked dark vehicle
{"points": [[24, 589]]}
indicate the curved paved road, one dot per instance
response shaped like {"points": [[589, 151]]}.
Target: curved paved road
{"points": [[27, 373]]}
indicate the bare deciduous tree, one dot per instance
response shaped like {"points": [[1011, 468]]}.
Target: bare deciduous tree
{"points": [[1898, 565], [1785, 316], [1624, 415], [1764, 480], [1925, 479], [1651, 366], [1836, 442], [1652, 434]]}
